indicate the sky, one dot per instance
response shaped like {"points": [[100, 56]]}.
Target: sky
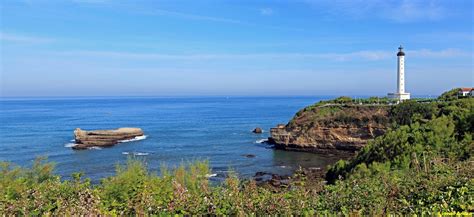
{"points": [[232, 48]]}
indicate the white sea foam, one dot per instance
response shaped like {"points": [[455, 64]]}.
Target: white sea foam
{"points": [[136, 153], [94, 148], [261, 141], [137, 138], [211, 175], [70, 145]]}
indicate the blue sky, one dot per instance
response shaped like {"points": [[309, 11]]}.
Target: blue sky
{"points": [[180, 48]]}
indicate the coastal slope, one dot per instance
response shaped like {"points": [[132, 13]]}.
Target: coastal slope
{"points": [[330, 127]]}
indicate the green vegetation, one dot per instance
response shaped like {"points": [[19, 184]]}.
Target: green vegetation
{"points": [[361, 101], [424, 164], [410, 111], [133, 190], [340, 114], [427, 158], [450, 95]]}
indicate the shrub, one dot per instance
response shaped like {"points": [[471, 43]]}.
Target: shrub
{"points": [[403, 146], [450, 95], [411, 111]]}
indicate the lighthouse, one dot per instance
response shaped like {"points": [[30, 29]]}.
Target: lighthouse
{"points": [[400, 95]]}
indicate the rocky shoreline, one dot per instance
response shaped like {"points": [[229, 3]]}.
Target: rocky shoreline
{"points": [[312, 176]]}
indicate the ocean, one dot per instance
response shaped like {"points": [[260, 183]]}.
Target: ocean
{"points": [[178, 130]]}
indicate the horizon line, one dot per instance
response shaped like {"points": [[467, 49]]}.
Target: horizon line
{"points": [[7, 98]]}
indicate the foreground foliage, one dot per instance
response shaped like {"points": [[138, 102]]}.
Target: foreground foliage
{"points": [[373, 189], [424, 165]]}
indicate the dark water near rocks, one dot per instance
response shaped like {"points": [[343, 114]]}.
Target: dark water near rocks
{"points": [[178, 130]]}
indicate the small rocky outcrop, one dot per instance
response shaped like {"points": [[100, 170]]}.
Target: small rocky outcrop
{"points": [[257, 130], [331, 128], [249, 155], [103, 138]]}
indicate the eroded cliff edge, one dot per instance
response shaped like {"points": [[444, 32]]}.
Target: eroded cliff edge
{"points": [[334, 127]]}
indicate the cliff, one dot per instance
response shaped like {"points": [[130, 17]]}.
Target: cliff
{"points": [[332, 127]]}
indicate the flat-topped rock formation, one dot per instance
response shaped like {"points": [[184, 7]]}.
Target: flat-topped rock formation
{"points": [[103, 138]]}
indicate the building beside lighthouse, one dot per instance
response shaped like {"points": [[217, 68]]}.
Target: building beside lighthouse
{"points": [[400, 95]]}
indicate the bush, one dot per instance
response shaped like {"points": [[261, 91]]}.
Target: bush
{"points": [[403, 147], [37, 191], [411, 111], [343, 100], [371, 189], [450, 95]]}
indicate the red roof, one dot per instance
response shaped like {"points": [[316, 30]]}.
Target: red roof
{"points": [[466, 89]]}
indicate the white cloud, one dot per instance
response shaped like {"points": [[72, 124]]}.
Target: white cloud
{"points": [[190, 16], [426, 53], [395, 10], [364, 55], [416, 10], [23, 38], [437, 37], [153, 11], [193, 16], [266, 11], [135, 8], [91, 1]]}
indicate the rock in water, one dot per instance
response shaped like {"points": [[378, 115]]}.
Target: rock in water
{"points": [[103, 138], [257, 130], [249, 155]]}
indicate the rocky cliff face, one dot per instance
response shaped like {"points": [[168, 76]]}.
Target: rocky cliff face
{"points": [[331, 127]]}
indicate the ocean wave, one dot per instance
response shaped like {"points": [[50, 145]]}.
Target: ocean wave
{"points": [[137, 138], [136, 153], [94, 148], [70, 145], [261, 141], [211, 175]]}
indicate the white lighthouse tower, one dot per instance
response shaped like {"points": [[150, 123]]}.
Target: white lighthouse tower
{"points": [[400, 95]]}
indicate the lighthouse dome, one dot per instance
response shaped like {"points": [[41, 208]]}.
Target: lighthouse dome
{"points": [[400, 51]]}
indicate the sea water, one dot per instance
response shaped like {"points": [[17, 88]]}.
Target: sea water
{"points": [[177, 130]]}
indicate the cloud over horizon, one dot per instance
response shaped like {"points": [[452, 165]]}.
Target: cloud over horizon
{"points": [[19, 38], [363, 55]]}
